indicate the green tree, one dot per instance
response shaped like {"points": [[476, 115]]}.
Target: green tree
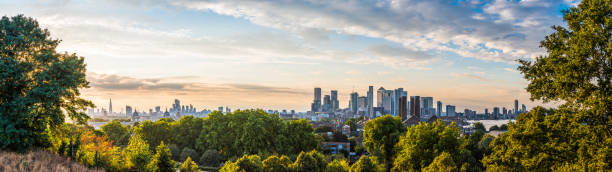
{"points": [[189, 128], [176, 152], [251, 163], [575, 70], [155, 132], [423, 142], [380, 136], [188, 152], [352, 123], [189, 166], [119, 134], [162, 160], [479, 126], [367, 164], [210, 158], [300, 137], [337, 166], [275, 164], [39, 86], [442, 163], [312, 161], [503, 127], [137, 153]]}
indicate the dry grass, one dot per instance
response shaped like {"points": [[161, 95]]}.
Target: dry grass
{"points": [[38, 161]]}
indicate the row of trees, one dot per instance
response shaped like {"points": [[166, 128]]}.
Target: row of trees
{"points": [[312, 161]]}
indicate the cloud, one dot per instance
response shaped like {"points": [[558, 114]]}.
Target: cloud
{"points": [[423, 25], [511, 70], [113, 82], [469, 76]]}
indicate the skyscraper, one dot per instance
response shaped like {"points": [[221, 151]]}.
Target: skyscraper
{"points": [[427, 106], [327, 105], [450, 110], [110, 106], [316, 104], [439, 106], [379, 96], [387, 100], [524, 108], [334, 100], [128, 110], [403, 103], [353, 102], [370, 98], [495, 112], [415, 106], [157, 109], [397, 93], [516, 106], [176, 107]]}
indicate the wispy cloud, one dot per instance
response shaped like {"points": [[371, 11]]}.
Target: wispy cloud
{"points": [[469, 76]]}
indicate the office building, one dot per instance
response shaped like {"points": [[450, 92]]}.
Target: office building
{"points": [[316, 104], [370, 97], [403, 107], [516, 107], [327, 105], [450, 110], [128, 110], [415, 106], [353, 102], [379, 96], [439, 106], [334, 100]]}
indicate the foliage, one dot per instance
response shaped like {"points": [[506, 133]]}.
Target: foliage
{"points": [[97, 151], [137, 153], [275, 164], [337, 136], [190, 128], [39, 87], [162, 160], [425, 141], [155, 132], [251, 163], [479, 126], [380, 136], [352, 123], [442, 163], [210, 158], [312, 161], [493, 128], [367, 164], [253, 132], [575, 70], [337, 166], [176, 152], [323, 129], [117, 133], [189, 166], [503, 127], [39, 160], [188, 152]]}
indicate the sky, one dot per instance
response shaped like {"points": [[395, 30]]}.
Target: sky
{"points": [[270, 54]]}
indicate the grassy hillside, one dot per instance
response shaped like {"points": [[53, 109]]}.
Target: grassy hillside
{"points": [[38, 161]]}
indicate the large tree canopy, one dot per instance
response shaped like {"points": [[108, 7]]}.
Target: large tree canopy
{"points": [[576, 71], [38, 86]]}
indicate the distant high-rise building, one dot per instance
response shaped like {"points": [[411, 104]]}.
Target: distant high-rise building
{"points": [[495, 112], [516, 106], [504, 112], [427, 107], [128, 111], [334, 100], [176, 107], [157, 109], [370, 101], [403, 107], [439, 106], [353, 102], [387, 100], [486, 111], [379, 96], [362, 104], [397, 93], [316, 104], [327, 105], [524, 108], [415, 106], [220, 108], [110, 106], [450, 110]]}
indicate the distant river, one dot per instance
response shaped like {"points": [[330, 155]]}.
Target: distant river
{"points": [[489, 123]]}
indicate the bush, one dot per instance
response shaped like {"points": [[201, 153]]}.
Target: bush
{"points": [[251, 163], [210, 158], [275, 164], [189, 166], [162, 160], [188, 152], [367, 164], [337, 166]]}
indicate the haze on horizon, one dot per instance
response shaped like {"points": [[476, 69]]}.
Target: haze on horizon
{"points": [[271, 54]]}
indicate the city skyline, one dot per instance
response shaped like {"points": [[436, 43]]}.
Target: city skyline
{"points": [[263, 54]]}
